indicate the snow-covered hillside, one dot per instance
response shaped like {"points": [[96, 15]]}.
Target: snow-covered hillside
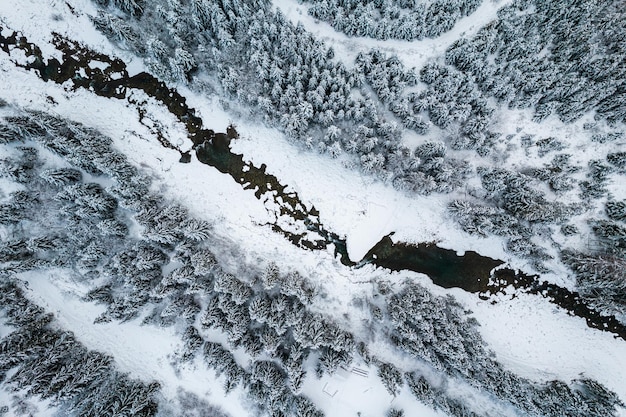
{"points": [[181, 290]]}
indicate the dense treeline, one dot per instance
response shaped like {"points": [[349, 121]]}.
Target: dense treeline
{"points": [[171, 272], [451, 100], [392, 19], [565, 58], [51, 364], [254, 56]]}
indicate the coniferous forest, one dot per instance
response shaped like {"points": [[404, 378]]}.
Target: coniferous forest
{"points": [[229, 208]]}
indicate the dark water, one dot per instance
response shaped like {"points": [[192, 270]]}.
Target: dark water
{"points": [[218, 154], [113, 81], [570, 301], [471, 271], [475, 273]]}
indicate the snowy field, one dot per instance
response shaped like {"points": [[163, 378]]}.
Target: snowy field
{"points": [[528, 335]]}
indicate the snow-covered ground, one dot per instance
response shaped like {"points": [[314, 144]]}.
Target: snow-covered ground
{"points": [[528, 335], [146, 352], [411, 53], [143, 351], [539, 341]]}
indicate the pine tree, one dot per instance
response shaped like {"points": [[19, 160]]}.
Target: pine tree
{"points": [[203, 261], [394, 412], [61, 176], [130, 6], [196, 230], [112, 227], [616, 210], [617, 159], [391, 378]]}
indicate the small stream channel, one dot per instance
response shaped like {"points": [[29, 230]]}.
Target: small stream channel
{"points": [[470, 271]]}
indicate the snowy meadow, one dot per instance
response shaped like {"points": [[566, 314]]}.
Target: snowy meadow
{"points": [[318, 208]]}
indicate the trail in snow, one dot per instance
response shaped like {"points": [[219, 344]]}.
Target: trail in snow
{"points": [[412, 53], [143, 351]]}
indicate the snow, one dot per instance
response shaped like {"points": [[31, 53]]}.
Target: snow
{"points": [[143, 351], [412, 53], [540, 341], [529, 335], [348, 393]]}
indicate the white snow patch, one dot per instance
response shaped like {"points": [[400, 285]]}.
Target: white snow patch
{"points": [[529, 335], [352, 393]]}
